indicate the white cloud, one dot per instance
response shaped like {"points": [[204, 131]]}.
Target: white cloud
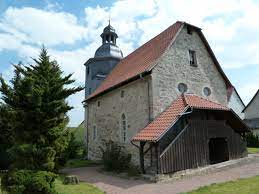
{"points": [[229, 26], [42, 27]]}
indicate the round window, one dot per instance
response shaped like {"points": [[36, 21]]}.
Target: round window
{"points": [[206, 91], [182, 87]]}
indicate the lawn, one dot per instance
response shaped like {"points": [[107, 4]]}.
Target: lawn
{"points": [[249, 185], [76, 163], [253, 150], [81, 188]]}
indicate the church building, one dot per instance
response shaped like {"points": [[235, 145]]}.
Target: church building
{"points": [[168, 102]]}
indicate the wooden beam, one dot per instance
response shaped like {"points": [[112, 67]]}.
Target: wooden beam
{"points": [[141, 157], [157, 158]]}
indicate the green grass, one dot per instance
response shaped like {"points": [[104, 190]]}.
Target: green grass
{"points": [[79, 132], [249, 185], [76, 163], [81, 188], [253, 150]]}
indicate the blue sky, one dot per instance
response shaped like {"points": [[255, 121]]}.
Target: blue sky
{"points": [[70, 30]]}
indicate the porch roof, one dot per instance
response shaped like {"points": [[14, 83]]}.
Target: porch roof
{"points": [[158, 127]]}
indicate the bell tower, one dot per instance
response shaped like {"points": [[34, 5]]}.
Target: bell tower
{"points": [[109, 35], [106, 57]]}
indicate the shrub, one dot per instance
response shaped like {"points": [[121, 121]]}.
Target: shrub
{"points": [[28, 182], [75, 148], [4, 157], [114, 157], [252, 140]]}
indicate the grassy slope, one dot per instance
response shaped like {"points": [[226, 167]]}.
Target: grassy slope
{"points": [[76, 163], [79, 132], [249, 185], [81, 188], [253, 150]]}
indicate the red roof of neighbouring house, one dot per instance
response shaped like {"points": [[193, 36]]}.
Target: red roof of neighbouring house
{"points": [[166, 119], [143, 59]]}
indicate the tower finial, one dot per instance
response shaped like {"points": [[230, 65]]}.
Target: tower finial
{"points": [[109, 19]]}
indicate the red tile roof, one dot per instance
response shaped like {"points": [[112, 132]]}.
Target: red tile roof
{"points": [[143, 59], [139, 61], [166, 119]]}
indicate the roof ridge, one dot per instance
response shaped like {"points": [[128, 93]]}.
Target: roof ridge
{"points": [[147, 42], [138, 61], [251, 100], [207, 100]]}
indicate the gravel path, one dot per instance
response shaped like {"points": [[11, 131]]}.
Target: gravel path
{"points": [[116, 185]]}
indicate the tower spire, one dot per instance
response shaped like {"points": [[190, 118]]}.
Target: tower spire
{"points": [[109, 35]]}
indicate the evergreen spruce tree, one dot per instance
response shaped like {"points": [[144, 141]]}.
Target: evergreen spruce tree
{"points": [[6, 136], [36, 99]]}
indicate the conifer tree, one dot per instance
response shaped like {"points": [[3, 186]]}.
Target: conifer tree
{"points": [[37, 98], [6, 136]]}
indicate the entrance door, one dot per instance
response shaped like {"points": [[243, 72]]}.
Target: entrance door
{"points": [[218, 148]]}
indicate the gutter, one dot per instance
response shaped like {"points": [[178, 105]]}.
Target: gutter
{"points": [[141, 75]]}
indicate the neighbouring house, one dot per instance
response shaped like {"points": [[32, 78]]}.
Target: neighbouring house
{"points": [[235, 102], [251, 112], [170, 104]]}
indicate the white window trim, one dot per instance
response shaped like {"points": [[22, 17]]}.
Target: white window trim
{"points": [[202, 91], [94, 135]]}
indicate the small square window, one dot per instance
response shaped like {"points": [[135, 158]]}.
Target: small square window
{"points": [[122, 94], [88, 70], [193, 60], [98, 103], [189, 30]]}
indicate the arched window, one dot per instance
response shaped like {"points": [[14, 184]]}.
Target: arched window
{"points": [[123, 127], [94, 133]]}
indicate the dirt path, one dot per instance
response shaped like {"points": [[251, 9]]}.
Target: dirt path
{"points": [[116, 185]]}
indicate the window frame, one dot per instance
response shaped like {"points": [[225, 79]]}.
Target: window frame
{"points": [[122, 93], [192, 58], [203, 91], [94, 135], [185, 85]]}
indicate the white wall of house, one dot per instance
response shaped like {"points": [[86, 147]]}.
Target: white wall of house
{"points": [[236, 104], [252, 111]]}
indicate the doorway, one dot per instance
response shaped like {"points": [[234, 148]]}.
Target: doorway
{"points": [[218, 148]]}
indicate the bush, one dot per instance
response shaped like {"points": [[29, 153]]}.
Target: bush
{"points": [[28, 182], [252, 140], [76, 149], [114, 157], [4, 157]]}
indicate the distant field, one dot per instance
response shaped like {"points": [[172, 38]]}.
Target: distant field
{"points": [[241, 186], [253, 150], [79, 132]]}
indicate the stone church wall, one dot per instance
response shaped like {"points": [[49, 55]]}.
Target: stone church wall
{"points": [[174, 68], [107, 117]]}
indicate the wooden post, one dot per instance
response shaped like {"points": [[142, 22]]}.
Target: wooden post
{"points": [[157, 158], [141, 157]]}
